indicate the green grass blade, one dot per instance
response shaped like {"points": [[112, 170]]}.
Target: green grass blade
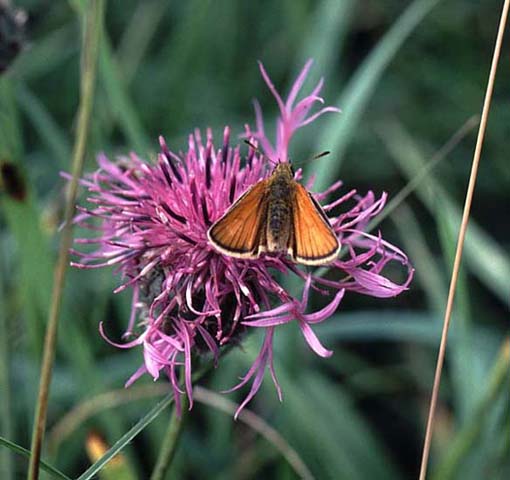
{"points": [[6, 417], [398, 326], [26, 453], [463, 375], [49, 132], [22, 217], [127, 437], [343, 445], [338, 132], [467, 436], [484, 257], [121, 106], [422, 258], [93, 25], [47, 54], [324, 39], [138, 35]]}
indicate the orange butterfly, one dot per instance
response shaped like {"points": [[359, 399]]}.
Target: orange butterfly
{"points": [[276, 215]]}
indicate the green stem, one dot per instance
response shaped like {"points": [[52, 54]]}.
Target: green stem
{"points": [[170, 442], [88, 76]]}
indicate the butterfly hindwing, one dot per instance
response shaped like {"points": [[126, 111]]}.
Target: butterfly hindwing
{"points": [[314, 241], [238, 233]]}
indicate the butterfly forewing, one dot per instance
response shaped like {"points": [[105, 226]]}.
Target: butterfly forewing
{"points": [[239, 232], [314, 241]]}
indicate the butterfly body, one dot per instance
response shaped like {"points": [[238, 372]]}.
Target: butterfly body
{"points": [[280, 194], [276, 215]]}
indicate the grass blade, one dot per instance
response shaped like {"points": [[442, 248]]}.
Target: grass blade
{"points": [[6, 417], [48, 130], [484, 256], [121, 106], [120, 103], [23, 451], [259, 425], [354, 99], [428, 272], [461, 237], [22, 218], [324, 39], [343, 446], [127, 437], [91, 45], [465, 439]]}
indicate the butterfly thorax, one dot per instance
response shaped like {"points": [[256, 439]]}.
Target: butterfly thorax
{"points": [[279, 213]]}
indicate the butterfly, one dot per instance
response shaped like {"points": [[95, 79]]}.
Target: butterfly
{"points": [[276, 215]]}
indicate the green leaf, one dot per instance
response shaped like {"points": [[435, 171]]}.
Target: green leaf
{"points": [[49, 132], [48, 53], [33, 253], [394, 325], [117, 95], [485, 258], [331, 436], [340, 129], [427, 270], [464, 441], [7, 419], [127, 437], [26, 453], [324, 38], [122, 108]]}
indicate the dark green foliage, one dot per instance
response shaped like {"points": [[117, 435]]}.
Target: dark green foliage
{"points": [[406, 80]]}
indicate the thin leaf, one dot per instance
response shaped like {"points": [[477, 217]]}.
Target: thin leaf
{"points": [[49, 132], [138, 35], [337, 135], [464, 441], [466, 380], [118, 98], [120, 103], [6, 417], [33, 253], [427, 269], [485, 258], [324, 38], [127, 437], [26, 453], [411, 326], [47, 53], [343, 445]]}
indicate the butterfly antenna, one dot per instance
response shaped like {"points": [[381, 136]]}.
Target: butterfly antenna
{"points": [[315, 157], [252, 145], [320, 155]]}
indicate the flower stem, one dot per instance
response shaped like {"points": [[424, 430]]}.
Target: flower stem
{"points": [[170, 441], [88, 76], [460, 240]]}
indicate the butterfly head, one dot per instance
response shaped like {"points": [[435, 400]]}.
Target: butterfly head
{"points": [[284, 169]]}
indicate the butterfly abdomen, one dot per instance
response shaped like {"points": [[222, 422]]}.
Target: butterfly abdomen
{"points": [[279, 212]]}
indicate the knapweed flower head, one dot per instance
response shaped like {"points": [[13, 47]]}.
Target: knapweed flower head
{"points": [[189, 300]]}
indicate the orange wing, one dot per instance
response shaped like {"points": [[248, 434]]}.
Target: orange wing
{"points": [[238, 232], [314, 241]]}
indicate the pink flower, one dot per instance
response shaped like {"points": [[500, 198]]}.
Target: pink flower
{"points": [[190, 300]]}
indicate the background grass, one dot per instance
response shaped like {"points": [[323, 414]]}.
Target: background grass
{"points": [[407, 75]]}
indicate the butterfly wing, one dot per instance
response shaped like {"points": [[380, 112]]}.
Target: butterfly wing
{"points": [[239, 232], [313, 242]]}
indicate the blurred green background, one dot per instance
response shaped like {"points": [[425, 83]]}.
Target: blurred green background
{"points": [[407, 76]]}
